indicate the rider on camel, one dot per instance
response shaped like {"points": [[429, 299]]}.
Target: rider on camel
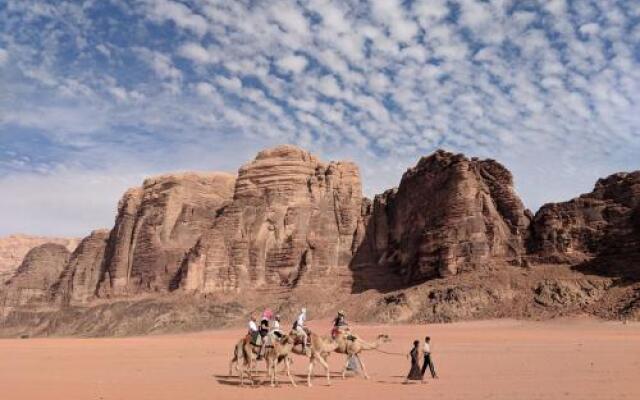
{"points": [[340, 325], [264, 332], [298, 326]]}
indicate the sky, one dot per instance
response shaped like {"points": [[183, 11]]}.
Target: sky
{"points": [[97, 95]]}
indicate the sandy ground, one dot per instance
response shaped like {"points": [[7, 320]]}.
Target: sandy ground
{"points": [[577, 359]]}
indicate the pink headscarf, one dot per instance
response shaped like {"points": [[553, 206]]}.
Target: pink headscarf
{"points": [[267, 314]]}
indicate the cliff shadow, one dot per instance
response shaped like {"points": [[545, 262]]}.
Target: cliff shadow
{"points": [[369, 274], [623, 267]]}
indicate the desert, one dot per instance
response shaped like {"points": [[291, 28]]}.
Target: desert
{"points": [[359, 199], [496, 359]]}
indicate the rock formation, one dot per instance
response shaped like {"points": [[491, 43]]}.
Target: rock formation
{"points": [[604, 224], [290, 221], [38, 273], [13, 248], [156, 225], [449, 214], [293, 220], [79, 279]]}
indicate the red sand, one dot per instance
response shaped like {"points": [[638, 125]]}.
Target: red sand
{"points": [[477, 360]]}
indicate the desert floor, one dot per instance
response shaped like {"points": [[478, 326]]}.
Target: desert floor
{"points": [[568, 359]]}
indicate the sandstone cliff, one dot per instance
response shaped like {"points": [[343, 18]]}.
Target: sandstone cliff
{"points": [[13, 248], [79, 279], [601, 227], [449, 214], [156, 225], [292, 228], [37, 274], [293, 220]]}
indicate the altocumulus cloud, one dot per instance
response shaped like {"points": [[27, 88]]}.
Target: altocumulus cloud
{"points": [[98, 94]]}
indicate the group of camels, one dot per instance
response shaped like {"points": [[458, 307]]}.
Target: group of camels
{"points": [[318, 349]]}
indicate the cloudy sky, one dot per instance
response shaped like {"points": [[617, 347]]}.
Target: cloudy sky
{"points": [[95, 95]]}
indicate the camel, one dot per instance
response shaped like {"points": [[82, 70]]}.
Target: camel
{"points": [[352, 348], [277, 354], [318, 350], [244, 352]]}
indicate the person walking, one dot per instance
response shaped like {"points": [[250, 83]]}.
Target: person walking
{"points": [[428, 360], [414, 373]]}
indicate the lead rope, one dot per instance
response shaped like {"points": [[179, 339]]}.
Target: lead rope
{"points": [[390, 352]]}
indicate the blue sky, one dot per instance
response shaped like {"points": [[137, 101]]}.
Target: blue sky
{"points": [[96, 95]]}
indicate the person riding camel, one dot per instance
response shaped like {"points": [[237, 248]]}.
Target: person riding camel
{"points": [[275, 326], [263, 332], [253, 327], [267, 314], [340, 325], [298, 326]]}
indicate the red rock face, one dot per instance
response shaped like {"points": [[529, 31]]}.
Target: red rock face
{"points": [[449, 214], [78, 281], [604, 223], [156, 225], [13, 248], [38, 273], [293, 220]]}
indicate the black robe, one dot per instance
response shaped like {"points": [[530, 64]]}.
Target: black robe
{"points": [[415, 374]]}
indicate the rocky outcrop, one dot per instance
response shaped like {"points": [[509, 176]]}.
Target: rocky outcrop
{"points": [[293, 220], [156, 225], [13, 248], [601, 226], [38, 273], [449, 214], [79, 280], [290, 221]]}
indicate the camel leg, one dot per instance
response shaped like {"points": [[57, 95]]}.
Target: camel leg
{"points": [[288, 368], [311, 363], [323, 362], [233, 362], [364, 370], [271, 371], [346, 365]]}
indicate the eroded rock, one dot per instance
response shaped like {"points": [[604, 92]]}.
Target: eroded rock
{"points": [[157, 225], [37, 274], [293, 220], [449, 214], [602, 227]]}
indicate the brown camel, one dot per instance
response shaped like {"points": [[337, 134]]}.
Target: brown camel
{"points": [[245, 353], [317, 351], [351, 345], [277, 354]]}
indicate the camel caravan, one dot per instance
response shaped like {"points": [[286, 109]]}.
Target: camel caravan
{"points": [[267, 342]]}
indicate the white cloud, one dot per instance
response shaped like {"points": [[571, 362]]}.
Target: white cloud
{"points": [[232, 84], [196, 53], [590, 29], [205, 89], [329, 86], [293, 63], [180, 14], [383, 82]]}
